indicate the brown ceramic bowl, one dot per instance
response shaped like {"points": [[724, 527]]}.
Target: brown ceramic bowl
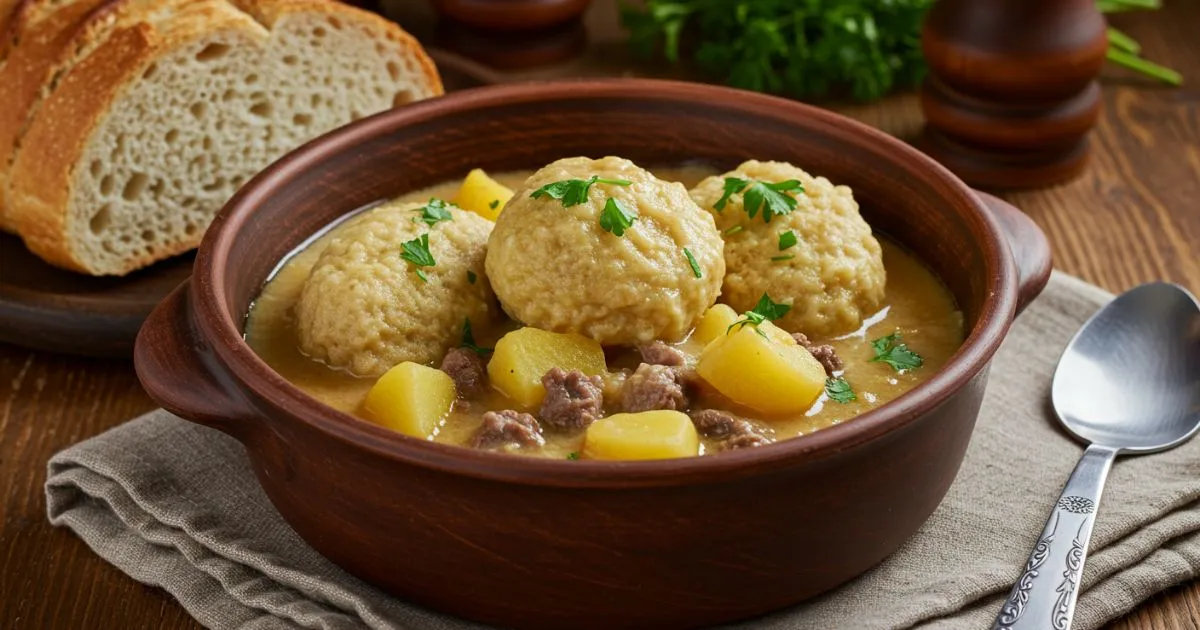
{"points": [[544, 543]]}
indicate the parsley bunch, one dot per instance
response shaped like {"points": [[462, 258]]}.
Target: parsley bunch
{"points": [[800, 48], [814, 48]]}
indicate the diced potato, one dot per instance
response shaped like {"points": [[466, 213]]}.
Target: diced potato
{"points": [[646, 435], [411, 398], [523, 356], [715, 321], [482, 195], [774, 375]]}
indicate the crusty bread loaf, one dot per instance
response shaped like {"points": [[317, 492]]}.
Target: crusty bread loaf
{"points": [[171, 106]]}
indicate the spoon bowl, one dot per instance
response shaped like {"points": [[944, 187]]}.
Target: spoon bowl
{"points": [[1128, 383], [1130, 378]]}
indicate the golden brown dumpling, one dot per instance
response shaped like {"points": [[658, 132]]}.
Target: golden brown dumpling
{"points": [[835, 276], [364, 308], [556, 268]]}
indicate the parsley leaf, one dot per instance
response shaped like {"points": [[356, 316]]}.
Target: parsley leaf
{"points": [[766, 309], [687, 253], [468, 340], [787, 240], [615, 217], [417, 252], [771, 198], [889, 350], [839, 390], [733, 185], [435, 212], [573, 456], [782, 258], [572, 192], [494, 203], [471, 276], [734, 230]]}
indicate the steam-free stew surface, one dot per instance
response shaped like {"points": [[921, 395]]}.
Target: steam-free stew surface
{"points": [[917, 305]]}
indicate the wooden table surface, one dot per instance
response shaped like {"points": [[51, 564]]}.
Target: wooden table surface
{"points": [[1133, 217]]}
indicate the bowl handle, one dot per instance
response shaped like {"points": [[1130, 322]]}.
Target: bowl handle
{"points": [[177, 368], [1028, 245]]}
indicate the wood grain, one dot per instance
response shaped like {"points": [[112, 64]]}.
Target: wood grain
{"points": [[1132, 217]]}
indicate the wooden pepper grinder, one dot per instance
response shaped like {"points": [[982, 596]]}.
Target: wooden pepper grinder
{"points": [[1012, 92]]}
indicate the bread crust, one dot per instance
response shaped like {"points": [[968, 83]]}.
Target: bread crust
{"points": [[37, 37], [7, 8]]}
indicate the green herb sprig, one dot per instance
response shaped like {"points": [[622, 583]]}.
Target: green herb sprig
{"points": [[468, 340], [417, 252], [616, 218], [434, 212], [787, 240], [890, 350], [771, 198], [572, 192], [839, 390], [691, 259], [766, 310]]}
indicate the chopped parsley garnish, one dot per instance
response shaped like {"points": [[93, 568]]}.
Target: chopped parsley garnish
{"points": [[782, 258], [787, 240], [573, 456], [417, 252], [468, 340], [889, 350], [495, 202], [772, 199], [687, 253], [471, 276], [615, 217], [733, 185], [766, 309], [839, 390], [435, 212], [734, 230], [572, 192]]}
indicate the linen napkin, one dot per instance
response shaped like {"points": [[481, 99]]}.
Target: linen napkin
{"points": [[175, 505]]}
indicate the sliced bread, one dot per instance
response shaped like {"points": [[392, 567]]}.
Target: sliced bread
{"points": [[139, 142]]}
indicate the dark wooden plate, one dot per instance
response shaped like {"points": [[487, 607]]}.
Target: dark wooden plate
{"points": [[46, 308]]}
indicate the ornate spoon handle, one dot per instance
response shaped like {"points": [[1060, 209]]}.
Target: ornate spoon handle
{"points": [[1044, 596]]}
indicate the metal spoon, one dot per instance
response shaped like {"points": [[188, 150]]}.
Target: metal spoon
{"points": [[1127, 384]]}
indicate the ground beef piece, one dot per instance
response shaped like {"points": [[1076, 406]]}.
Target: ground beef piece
{"points": [[573, 399], [508, 427], [659, 353], [822, 352], [653, 387], [735, 432], [467, 370]]}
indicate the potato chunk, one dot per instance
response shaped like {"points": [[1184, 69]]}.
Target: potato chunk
{"points": [[411, 398], [482, 195], [715, 321], [523, 356], [659, 434], [772, 374]]}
